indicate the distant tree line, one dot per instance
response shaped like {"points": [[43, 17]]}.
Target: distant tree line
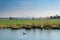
{"points": [[55, 17], [51, 17], [12, 18]]}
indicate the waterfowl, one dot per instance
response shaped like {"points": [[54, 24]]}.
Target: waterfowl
{"points": [[24, 33]]}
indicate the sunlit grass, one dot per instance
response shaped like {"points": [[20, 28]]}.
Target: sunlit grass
{"points": [[29, 22], [10, 22]]}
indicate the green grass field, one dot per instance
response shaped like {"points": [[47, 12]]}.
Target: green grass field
{"points": [[22, 22], [28, 22]]}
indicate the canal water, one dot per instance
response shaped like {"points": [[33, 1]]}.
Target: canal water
{"points": [[33, 34]]}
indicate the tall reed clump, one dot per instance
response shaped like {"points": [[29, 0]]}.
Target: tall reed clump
{"points": [[26, 24], [33, 22], [57, 24], [3, 24], [41, 23], [48, 23], [13, 24]]}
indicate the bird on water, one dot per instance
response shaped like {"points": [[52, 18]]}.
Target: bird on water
{"points": [[24, 33]]}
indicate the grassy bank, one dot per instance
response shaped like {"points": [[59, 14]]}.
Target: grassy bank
{"points": [[37, 23]]}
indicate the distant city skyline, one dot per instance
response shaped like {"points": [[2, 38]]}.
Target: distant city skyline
{"points": [[29, 8]]}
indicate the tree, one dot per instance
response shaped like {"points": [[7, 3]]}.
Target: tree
{"points": [[51, 17], [10, 18]]}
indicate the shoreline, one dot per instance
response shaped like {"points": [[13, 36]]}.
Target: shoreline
{"points": [[32, 26]]}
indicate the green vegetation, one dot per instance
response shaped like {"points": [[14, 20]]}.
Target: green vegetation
{"points": [[29, 23]]}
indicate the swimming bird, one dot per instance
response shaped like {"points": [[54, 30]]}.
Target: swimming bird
{"points": [[24, 33]]}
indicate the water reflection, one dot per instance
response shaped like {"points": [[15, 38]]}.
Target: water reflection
{"points": [[33, 34]]}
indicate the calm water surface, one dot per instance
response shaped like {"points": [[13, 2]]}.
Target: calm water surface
{"points": [[33, 34]]}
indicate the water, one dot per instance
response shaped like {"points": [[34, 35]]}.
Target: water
{"points": [[33, 34]]}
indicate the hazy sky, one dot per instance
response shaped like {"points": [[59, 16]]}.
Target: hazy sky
{"points": [[36, 8]]}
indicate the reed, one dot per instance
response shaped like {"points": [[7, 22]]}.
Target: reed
{"points": [[33, 23]]}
